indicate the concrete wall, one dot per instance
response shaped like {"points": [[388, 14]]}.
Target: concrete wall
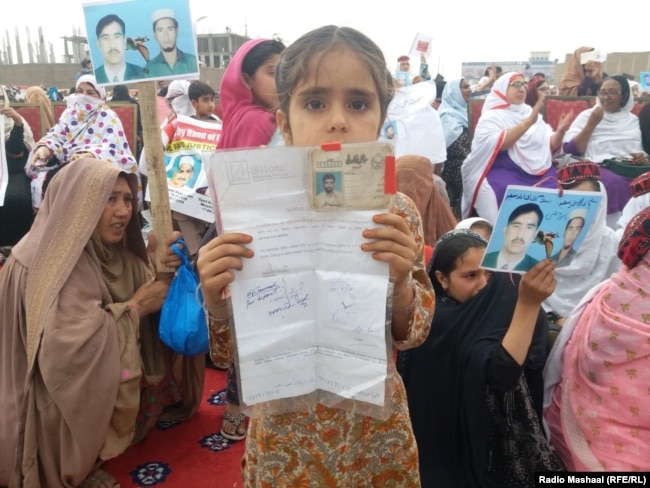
{"points": [[62, 75], [616, 64]]}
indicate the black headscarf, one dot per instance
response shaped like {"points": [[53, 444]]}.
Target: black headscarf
{"points": [[446, 381]]}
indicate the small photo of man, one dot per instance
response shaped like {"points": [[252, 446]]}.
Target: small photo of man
{"points": [[575, 224], [328, 190], [518, 235], [184, 172], [171, 60], [111, 40]]}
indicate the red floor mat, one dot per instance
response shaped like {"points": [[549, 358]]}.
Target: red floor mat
{"points": [[188, 454]]}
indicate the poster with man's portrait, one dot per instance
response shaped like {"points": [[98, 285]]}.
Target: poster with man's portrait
{"points": [[133, 40], [534, 224]]}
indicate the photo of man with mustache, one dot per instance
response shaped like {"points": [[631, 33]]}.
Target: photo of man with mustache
{"points": [[520, 232], [111, 39]]}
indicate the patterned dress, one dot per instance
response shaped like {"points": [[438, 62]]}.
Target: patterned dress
{"points": [[451, 174], [330, 447]]}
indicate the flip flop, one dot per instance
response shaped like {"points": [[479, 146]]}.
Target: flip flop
{"points": [[235, 420]]}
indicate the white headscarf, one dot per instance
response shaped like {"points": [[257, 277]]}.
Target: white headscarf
{"points": [[594, 262], [177, 98], [531, 152], [453, 111], [617, 134], [418, 127], [90, 79]]}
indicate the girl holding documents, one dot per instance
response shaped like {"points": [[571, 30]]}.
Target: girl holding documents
{"points": [[332, 87]]}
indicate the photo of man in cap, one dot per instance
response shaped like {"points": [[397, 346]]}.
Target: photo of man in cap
{"points": [[111, 39], [171, 60], [574, 226]]}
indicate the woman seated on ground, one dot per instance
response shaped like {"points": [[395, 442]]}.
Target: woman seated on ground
{"points": [[609, 130], [16, 215], [596, 382], [512, 145], [455, 124], [594, 262], [87, 128], [84, 374], [475, 385]]}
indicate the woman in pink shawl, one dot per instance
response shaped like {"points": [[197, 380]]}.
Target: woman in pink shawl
{"points": [[596, 400], [87, 128], [512, 145]]}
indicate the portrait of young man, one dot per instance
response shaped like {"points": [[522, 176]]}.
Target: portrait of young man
{"points": [[171, 60]]}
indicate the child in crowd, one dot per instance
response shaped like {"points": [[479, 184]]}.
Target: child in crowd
{"points": [[249, 99], [202, 99], [332, 87], [201, 96], [475, 386]]}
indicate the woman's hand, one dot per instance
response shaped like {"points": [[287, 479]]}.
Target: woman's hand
{"points": [[639, 158], [565, 122], [150, 297], [41, 156], [13, 115], [394, 244], [170, 259], [81, 155], [596, 116], [538, 283], [594, 70], [216, 261]]}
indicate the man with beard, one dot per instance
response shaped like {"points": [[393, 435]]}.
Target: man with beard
{"points": [[329, 197], [171, 60], [571, 232]]}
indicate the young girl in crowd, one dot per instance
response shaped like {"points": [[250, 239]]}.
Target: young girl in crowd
{"points": [[475, 386], [249, 99], [332, 87]]}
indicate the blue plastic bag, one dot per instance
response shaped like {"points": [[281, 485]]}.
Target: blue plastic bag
{"points": [[183, 325]]}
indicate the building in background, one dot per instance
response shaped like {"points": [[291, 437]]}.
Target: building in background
{"points": [[216, 50], [538, 62]]}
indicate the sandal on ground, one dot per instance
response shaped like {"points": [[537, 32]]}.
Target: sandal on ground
{"points": [[235, 420]]}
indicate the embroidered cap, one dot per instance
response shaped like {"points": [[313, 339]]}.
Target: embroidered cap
{"points": [[578, 171], [163, 13], [641, 184], [403, 58], [636, 239]]}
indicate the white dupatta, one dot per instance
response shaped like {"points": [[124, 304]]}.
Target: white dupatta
{"points": [[531, 152], [617, 134]]}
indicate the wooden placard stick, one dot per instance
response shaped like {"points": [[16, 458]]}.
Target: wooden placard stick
{"points": [[157, 177]]}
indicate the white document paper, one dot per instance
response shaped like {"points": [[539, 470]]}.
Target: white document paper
{"points": [[310, 307], [595, 55]]}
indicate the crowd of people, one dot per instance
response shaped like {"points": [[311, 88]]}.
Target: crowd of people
{"points": [[481, 393]]}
